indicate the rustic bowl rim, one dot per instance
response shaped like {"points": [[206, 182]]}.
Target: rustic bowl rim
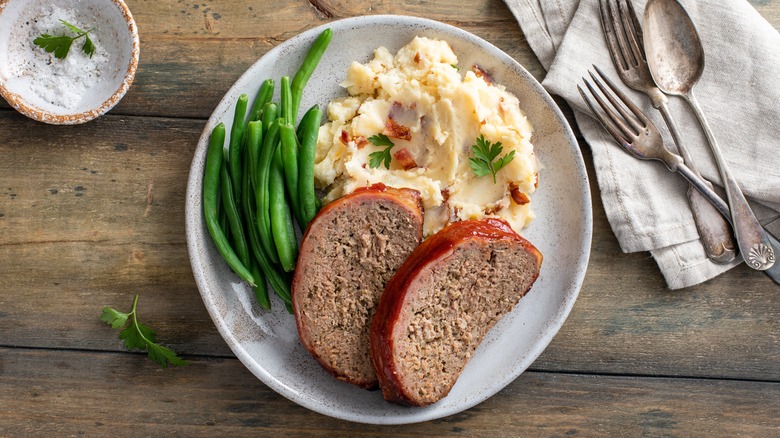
{"points": [[21, 105]]}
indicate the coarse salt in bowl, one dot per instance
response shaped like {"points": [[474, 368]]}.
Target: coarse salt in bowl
{"points": [[75, 89]]}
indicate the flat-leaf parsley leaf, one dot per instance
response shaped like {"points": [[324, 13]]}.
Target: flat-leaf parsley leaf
{"points": [[376, 158], [484, 154], [60, 44], [137, 336]]}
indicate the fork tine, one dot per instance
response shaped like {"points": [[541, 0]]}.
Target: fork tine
{"points": [[609, 32], [621, 36], [633, 30], [637, 128], [627, 132], [606, 123], [630, 105], [635, 23]]}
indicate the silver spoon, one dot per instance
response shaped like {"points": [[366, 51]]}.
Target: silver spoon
{"points": [[676, 59]]}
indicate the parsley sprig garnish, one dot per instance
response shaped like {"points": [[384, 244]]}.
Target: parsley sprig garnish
{"points": [[60, 44], [376, 158], [139, 336], [484, 154]]}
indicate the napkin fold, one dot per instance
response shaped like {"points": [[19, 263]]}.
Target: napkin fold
{"points": [[739, 92]]}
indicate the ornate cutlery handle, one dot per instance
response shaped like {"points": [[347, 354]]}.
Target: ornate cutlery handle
{"points": [[714, 231], [751, 236], [773, 270]]}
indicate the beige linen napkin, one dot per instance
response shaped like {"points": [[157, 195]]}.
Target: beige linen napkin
{"points": [[739, 92]]}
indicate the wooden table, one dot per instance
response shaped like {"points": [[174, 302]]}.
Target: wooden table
{"points": [[92, 214]]}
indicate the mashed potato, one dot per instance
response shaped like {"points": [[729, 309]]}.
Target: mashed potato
{"points": [[433, 115]]}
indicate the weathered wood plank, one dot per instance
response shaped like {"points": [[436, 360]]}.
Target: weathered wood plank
{"points": [[55, 392], [240, 20], [626, 318], [93, 214], [90, 215], [192, 52]]}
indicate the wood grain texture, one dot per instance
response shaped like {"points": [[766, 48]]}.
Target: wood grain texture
{"points": [[90, 215], [93, 214], [193, 51], [55, 393], [625, 319]]}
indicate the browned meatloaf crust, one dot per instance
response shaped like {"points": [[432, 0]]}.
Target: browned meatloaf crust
{"points": [[442, 301], [349, 252]]}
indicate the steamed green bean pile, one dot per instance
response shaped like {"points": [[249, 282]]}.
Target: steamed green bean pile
{"points": [[259, 185]]}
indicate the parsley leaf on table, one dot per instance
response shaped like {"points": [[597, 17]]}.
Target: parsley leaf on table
{"points": [[484, 154], [60, 45], [376, 158], [137, 336]]}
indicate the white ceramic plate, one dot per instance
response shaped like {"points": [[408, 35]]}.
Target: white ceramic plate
{"points": [[267, 342]]}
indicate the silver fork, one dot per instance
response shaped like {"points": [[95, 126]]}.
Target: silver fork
{"points": [[624, 39], [636, 134]]}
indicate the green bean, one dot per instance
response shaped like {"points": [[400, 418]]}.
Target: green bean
{"points": [[211, 177], [270, 113], [307, 68], [222, 220], [254, 141], [236, 144], [264, 95], [280, 284], [281, 220], [289, 154], [261, 290], [248, 206], [221, 215], [286, 98], [309, 129], [289, 147], [234, 220], [305, 120], [270, 142]]}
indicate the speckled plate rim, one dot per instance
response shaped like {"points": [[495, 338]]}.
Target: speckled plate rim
{"points": [[195, 228], [18, 102]]}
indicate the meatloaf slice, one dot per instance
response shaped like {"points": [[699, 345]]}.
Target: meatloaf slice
{"points": [[349, 252], [442, 301]]}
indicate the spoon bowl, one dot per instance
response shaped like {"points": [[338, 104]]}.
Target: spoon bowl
{"points": [[674, 52]]}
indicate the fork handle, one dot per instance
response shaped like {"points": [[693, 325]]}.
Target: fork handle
{"points": [[751, 236], [714, 231], [773, 271]]}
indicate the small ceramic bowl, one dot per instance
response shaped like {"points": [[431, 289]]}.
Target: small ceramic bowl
{"points": [[79, 87]]}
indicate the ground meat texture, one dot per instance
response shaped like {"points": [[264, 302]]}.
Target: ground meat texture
{"points": [[442, 302], [350, 250]]}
